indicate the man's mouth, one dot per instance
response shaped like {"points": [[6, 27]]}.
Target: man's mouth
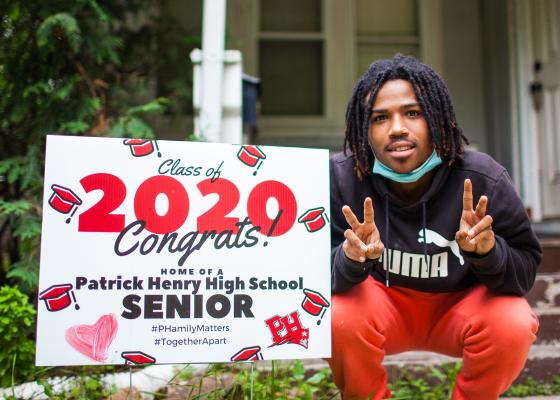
{"points": [[400, 146]]}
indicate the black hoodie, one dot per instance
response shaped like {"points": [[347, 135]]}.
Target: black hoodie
{"points": [[436, 264]]}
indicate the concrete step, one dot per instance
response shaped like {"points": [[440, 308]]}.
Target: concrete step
{"points": [[551, 255], [546, 291], [547, 229], [544, 297], [549, 326]]}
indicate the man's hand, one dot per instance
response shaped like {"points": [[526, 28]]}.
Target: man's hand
{"points": [[475, 233], [362, 241]]}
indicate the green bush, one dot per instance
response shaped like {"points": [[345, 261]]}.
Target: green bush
{"points": [[267, 380], [17, 319], [86, 387], [442, 379], [532, 387], [66, 67]]}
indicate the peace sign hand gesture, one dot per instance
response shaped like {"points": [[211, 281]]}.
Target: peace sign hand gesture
{"points": [[362, 241], [475, 233]]}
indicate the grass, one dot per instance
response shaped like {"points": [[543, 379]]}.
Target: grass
{"points": [[533, 388], [426, 383], [273, 380]]}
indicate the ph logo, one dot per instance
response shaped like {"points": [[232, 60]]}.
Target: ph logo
{"points": [[287, 329]]}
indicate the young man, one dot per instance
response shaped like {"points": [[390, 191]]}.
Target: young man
{"points": [[431, 246]]}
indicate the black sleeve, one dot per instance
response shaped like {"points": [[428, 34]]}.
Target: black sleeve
{"points": [[511, 266], [345, 272]]}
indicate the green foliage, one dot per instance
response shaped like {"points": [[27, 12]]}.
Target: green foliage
{"points": [[16, 208], [293, 381], [269, 380], [532, 387], [130, 125], [17, 318], [64, 67], [438, 383], [82, 67], [186, 373], [79, 387], [194, 138], [264, 381], [175, 44], [62, 26], [288, 382], [442, 379]]}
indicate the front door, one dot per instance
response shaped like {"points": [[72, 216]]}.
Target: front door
{"points": [[546, 96]]}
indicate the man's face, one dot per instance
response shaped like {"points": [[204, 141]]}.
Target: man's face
{"points": [[398, 131]]}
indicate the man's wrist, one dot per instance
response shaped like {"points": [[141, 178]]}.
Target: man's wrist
{"points": [[490, 263], [354, 267]]}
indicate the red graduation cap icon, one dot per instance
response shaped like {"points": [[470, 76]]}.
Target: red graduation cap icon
{"points": [[63, 199], [141, 147], [248, 354], [137, 358], [250, 155], [313, 219], [57, 297], [314, 303]]}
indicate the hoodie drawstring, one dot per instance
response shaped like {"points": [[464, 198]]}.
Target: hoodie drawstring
{"points": [[424, 233], [387, 261]]}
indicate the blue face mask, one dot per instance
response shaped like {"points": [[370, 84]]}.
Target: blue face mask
{"points": [[428, 165]]}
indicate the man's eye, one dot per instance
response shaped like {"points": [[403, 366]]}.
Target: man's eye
{"points": [[377, 118], [413, 113]]}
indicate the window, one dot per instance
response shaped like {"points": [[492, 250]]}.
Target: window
{"points": [[384, 28], [291, 59]]}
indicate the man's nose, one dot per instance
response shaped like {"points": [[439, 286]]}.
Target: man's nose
{"points": [[398, 127]]}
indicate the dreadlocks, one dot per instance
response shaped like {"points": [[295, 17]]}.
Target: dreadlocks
{"points": [[432, 94]]}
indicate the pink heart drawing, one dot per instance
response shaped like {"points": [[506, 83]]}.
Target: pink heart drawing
{"points": [[93, 340]]}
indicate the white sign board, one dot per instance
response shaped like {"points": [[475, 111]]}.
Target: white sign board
{"points": [[180, 252]]}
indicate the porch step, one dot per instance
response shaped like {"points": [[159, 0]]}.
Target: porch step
{"points": [[551, 255], [548, 229], [545, 293], [549, 326], [544, 297]]}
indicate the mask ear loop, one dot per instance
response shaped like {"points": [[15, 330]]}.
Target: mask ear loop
{"points": [[372, 152]]}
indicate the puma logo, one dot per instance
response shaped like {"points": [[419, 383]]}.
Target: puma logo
{"points": [[440, 241]]}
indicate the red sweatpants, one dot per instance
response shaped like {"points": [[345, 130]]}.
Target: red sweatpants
{"points": [[492, 333]]}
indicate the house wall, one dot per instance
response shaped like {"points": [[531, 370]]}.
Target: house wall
{"points": [[463, 66], [497, 81], [459, 49]]}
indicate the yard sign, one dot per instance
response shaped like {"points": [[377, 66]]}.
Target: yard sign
{"points": [[180, 252]]}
